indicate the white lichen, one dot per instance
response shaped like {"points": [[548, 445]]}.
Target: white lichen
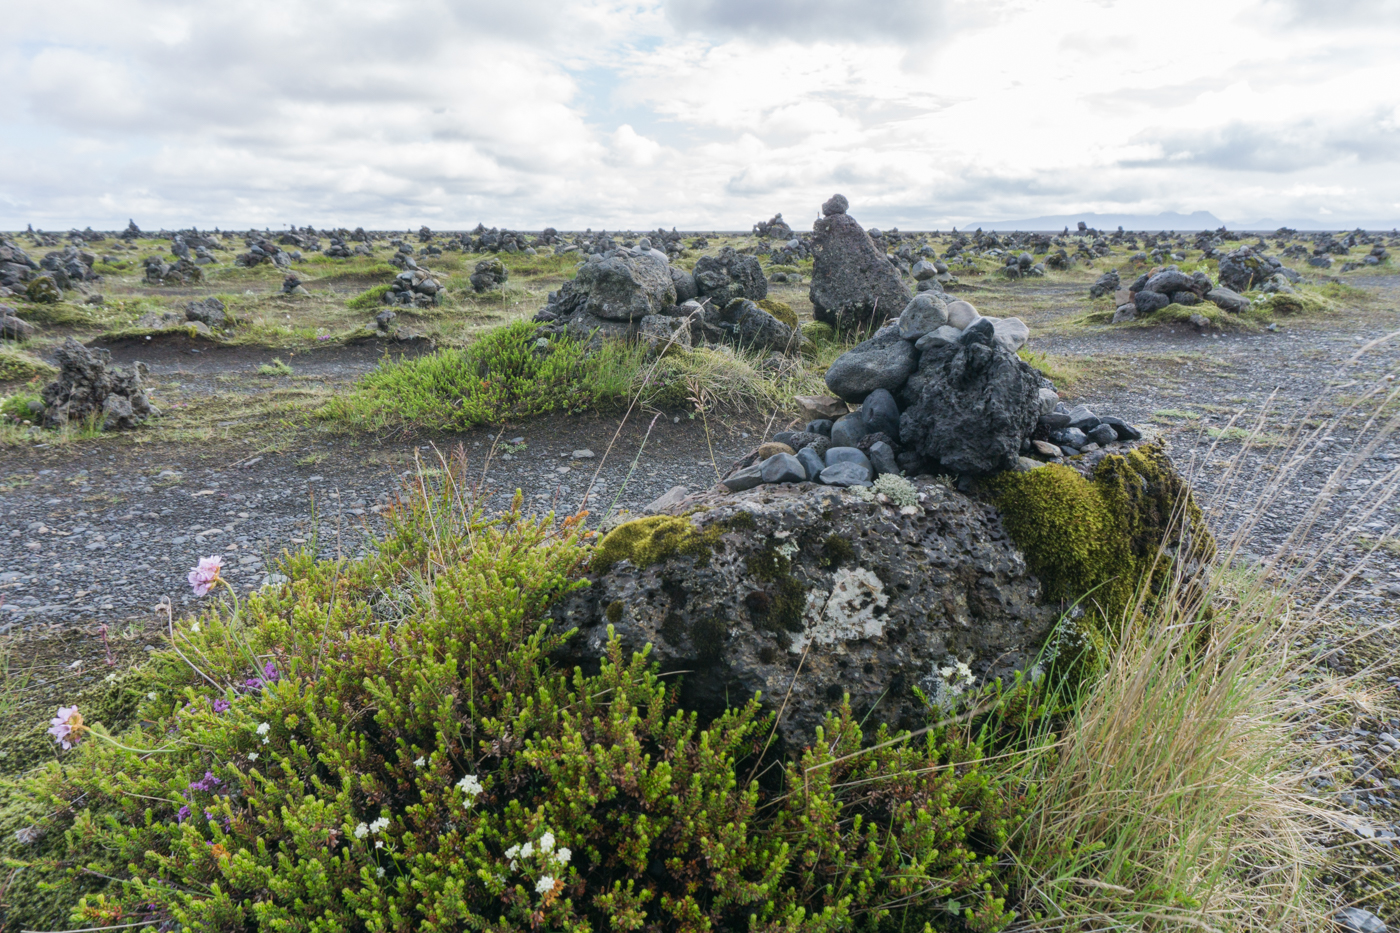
{"points": [[848, 613]]}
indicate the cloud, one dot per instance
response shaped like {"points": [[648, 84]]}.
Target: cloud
{"points": [[899, 21], [1279, 148]]}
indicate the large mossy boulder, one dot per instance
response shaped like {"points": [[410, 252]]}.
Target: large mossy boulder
{"points": [[805, 593]]}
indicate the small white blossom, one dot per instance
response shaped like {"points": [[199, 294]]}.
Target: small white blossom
{"points": [[252, 756], [195, 628], [471, 787], [151, 695], [420, 761], [545, 885], [266, 740], [361, 831], [527, 850], [379, 872], [547, 841], [263, 728], [513, 851], [379, 825], [563, 855], [379, 843]]}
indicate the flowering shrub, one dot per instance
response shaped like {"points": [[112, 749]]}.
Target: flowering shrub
{"points": [[410, 760]]}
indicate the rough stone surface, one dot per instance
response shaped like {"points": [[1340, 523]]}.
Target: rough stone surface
{"points": [[754, 328], [879, 597], [924, 314], [880, 412], [1228, 300], [626, 287], [882, 362], [821, 407], [853, 285], [87, 387], [970, 406], [730, 275]]}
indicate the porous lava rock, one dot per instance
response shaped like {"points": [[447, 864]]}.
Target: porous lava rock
{"points": [[626, 286], [853, 284], [88, 387], [729, 275], [876, 600]]}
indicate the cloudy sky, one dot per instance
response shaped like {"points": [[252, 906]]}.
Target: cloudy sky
{"points": [[699, 114]]}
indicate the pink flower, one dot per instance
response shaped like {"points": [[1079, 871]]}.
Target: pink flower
{"points": [[66, 725], [203, 577]]}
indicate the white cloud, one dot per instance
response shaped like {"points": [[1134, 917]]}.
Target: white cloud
{"points": [[694, 113]]}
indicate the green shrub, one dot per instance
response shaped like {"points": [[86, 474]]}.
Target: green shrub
{"points": [[370, 746], [370, 298], [16, 407]]}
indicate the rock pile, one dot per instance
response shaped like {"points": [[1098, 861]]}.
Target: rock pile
{"points": [[132, 232], [12, 327], [88, 388], [184, 272], [415, 287], [853, 284], [776, 228], [200, 316], [338, 249], [69, 266], [1246, 268], [720, 279], [292, 286], [1106, 284], [15, 267], [261, 250], [1152, 291], [489, 274]]}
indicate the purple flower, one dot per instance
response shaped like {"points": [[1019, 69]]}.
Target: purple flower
{"points": [[182, 814], [270, 672], [208, 783], [253, 683], [203, 577], [221, 705], [66, 725]]}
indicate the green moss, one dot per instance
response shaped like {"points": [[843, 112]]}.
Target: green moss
{"points": [[1101, 538], [614, 611], [369, 299], [648, 541], [787, 598], [43, 291], [780, 310], [836, 551], [818, 332]]}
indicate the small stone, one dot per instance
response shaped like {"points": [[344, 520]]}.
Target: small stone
{"points": [[848, 430], [836, 204], [1103, 434], [1125, 431], [584, 454], [882, 458], [747, 478], [846, 474], [811, 461], [1026, 464], [821, 406], [820, 426], [924, 314], [1046, 449], [1012, 332], [880, 413], [1083, 418], [961, 314], [783, 468], [847, 455], [1070, 437], [1125, 312], [1357, 920], [941, 335], [666, 500], [772, 449]]}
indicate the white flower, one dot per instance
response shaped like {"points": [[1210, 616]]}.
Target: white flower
{"points": [[545, 885], [194, 627], [379, 825], [527, 850], [420, 761], [266, 740], [471, 787], [361, 831], [379, 872], [379, 843], [252, 756], [151, 695], [563, 855], [547, 841], [513, 851], [263, 729]]}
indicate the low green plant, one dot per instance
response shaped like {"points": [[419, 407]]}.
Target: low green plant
{"points": [[18, 366], [370, 298], [275, 368], [17, 407]]}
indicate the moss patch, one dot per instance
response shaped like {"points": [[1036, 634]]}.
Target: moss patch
{"points": [[818, 332], [648, 541], [1102, 537], [787, 598], [836, 551], [780, 310]]}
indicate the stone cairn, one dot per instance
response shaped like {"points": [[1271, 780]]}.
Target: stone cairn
{"points": [[88, 387]]}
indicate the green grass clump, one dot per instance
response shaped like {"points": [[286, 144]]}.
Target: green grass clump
{"points": [[1064, 371], [371, 298], [16, 407], [275, 368], [371, 746], [18, 366]]}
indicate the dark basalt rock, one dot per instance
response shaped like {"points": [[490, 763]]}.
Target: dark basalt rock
{"points": [[853, 284], [87, 387]]}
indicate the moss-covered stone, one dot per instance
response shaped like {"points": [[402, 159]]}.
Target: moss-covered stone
{"points": [[836, 551], [818, 332], [780, 310], [1102, 537], [787, 598], [647, 541]]}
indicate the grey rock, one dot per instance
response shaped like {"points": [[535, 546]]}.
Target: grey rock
{"points": [[783, 468], [1169, 281], [1103, 434], [746, 478], [1185, 299], [882, 362], [625, 287], [925, 313], [1012, 332], [820, 426], [923, 270], [1048, 398], [962, 314], [662, 333], [845, 474], [754, 328], [836, 204], [969, 407], [1228, 300], [1083, 418], [855, 455], [489, 274], [728, 276], [880, 412], [1125, 313], [685, 284], [911, 463], [1147, 302], [210, 311], [853, 285], [1106, 284], [1358, 920], [848, 430], [666, 500], [1069, 437], [811, 461], [882, 458], [1125, 431], [12, 327], [87, 386], [940, 582], [942, 335]]}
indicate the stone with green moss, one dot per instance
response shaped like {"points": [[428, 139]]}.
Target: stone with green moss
{"points": [[780, 310]]}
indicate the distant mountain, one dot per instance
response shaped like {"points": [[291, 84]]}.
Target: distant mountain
{"points": [[1200, 220], [1313, 223]]}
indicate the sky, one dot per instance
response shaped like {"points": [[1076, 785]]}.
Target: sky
{"points": [[697, 114]]}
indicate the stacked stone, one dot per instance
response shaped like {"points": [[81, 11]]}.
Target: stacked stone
{"points": [[853, 283], [12, 327], [87, 387], [775, 228], [338, 249], [489, 274], [414, 287], [183, 272], [261, 250], [1154, 290]]}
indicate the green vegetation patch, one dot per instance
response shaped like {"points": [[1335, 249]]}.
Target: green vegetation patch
{"points": [[18, 366], [369, 299], [780, 310], [1104, 537]]}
